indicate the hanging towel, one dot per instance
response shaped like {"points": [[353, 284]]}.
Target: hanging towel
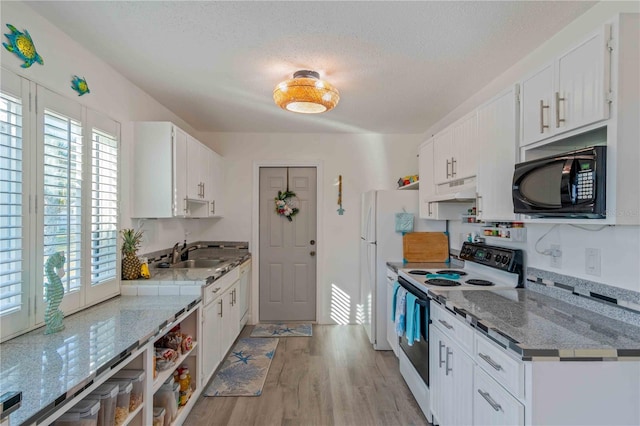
{"points": [[413, 319], [396, 286], [401, 303]]}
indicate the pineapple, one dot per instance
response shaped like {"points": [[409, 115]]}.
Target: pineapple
{"points": [[130, 263]]}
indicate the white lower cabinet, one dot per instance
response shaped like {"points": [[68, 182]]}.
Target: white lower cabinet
{"points": [[392, 336], [230, 317], [492, 405], [244, 292], [211, 338], [451, 380]]}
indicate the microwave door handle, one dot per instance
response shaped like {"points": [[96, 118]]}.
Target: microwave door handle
{"points": [[567, 184]]}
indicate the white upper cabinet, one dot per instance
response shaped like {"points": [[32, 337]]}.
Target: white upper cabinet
{"points": [[215, 184], [172, 174], [535, 101], [454, 151], [497, 141], [570, 92], [582, 95], [427, 184]]}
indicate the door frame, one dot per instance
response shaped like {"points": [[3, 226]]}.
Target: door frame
{"points": [[255, 231]]}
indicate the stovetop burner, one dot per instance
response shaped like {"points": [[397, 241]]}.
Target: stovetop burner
{"points": [[442, 282], [479, 282], [418, 272], [452, 271]]}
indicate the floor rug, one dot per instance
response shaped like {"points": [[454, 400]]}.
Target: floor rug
{"points": [[281, 330], [244, 371]]}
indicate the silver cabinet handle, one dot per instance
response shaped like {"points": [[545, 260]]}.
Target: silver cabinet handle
{"points": [[215, 290], [203, 190], [447, 369], [490, 361], [186, 207], [453, 168], [542, 108], [490, 400], [446, 324], [213, 206], [429, 213], [478, 205], [220, 308], [448, 175], [234, 297], [440, 347], [558, 119]]}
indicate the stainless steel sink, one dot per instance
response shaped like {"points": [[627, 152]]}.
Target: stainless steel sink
{"points": [[198, 263]]}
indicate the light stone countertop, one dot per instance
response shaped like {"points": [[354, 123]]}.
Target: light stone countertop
{"points": [[538, 327], [50, 368]]}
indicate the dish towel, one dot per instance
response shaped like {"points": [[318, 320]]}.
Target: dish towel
{"points": [[401, 304], [396, 286], [413, 319]]}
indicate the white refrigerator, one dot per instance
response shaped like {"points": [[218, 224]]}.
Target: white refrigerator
{"points": [[379, 244]]}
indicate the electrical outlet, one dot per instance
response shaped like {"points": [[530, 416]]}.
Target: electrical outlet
{"points": [[592, 261], [556, 256]]}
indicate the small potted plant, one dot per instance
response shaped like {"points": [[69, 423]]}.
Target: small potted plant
{"points": [[130, 264]]}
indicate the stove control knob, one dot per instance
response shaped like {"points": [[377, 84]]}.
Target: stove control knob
{"points": [[505, 260], [498, 258], [488, 256]]}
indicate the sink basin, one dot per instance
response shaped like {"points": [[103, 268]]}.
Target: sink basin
{"points": [[197, 263]]}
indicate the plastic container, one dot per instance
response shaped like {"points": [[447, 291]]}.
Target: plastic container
{"points": [[176, 392], [137, 380], [158, 416], [124, 396], [166, 398], [84, 413], [107, 394]]}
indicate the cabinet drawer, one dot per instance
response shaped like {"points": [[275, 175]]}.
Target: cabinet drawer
{"points": [[492, 405], [218, 287], [452, 326], [508, 371]]}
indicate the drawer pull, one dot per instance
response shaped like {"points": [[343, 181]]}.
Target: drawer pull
{"points": [[490, 400], [446, 324], [215, 290], [440, 347], [489, 361], [447, 369]]}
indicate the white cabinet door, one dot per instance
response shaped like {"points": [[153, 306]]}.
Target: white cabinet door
{"points": [[180, 207], [459, 373], [437, 347], [230, 317], [497, 142], [194, 170], [583, 83], [536, 106], [392, 336], [427, 184], [211, 338], [216, 184], [244, 292], [492, 405], [464, 160], [443, 153]]}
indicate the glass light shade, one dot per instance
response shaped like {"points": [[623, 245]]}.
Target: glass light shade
{"points": [[306, 94]]}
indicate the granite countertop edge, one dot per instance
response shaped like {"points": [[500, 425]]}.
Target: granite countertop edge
{"points": [[35, 405], [523, 350]]}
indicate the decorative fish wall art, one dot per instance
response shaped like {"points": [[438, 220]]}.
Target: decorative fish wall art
{"points": [[80, 85], [22, 45]]}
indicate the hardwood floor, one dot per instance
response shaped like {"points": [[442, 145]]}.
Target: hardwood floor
{"points": [[332, 378]]}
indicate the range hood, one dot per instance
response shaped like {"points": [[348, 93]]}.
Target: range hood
{"points": [[465, 195]]}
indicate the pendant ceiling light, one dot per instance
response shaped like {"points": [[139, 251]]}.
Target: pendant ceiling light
{"points": [[306, 93]]}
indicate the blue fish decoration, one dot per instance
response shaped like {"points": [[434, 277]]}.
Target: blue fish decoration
{"points": [[80, 85], [22, 45]]}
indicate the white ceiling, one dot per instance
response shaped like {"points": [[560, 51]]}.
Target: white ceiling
{"points": [[399, 66]]}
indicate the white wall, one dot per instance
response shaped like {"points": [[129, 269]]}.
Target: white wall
{"points": [[366, 161], [620, 246], [111, 94]]}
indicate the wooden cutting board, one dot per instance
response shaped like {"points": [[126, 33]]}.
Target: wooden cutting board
{"points": [[425, 247]]}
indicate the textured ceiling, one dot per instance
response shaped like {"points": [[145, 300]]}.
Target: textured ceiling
{"points": [[399, 66]]}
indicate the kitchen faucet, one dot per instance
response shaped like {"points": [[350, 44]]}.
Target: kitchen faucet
{"points": [[177, 253]]}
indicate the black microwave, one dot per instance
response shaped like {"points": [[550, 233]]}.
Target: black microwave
{"points": [[570, 185]]}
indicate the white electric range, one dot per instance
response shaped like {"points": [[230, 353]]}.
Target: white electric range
{"points": [[485, 267]]}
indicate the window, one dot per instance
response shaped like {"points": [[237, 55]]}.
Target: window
{"points": [[58, 192]]}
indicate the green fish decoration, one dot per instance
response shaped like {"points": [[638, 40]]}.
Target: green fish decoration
{"points": [[80, 85], [22, 45]]}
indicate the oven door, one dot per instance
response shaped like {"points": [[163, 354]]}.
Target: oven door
{"points": [[418, 353]]}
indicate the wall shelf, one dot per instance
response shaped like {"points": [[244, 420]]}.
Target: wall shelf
{"points": [[412, 185]]}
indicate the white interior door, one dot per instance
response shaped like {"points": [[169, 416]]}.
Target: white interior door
{"points": [[287, 269]]}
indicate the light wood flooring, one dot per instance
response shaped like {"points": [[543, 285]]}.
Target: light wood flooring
{"points": [[332, 378]]}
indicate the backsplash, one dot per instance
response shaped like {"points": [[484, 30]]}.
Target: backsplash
{"points": [[206, 250], [613, 302]]}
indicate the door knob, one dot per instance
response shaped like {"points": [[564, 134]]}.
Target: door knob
{"points": [[312, 253]]}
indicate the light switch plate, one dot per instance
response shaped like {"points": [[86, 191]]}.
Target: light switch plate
{"points": [[592, 261]]}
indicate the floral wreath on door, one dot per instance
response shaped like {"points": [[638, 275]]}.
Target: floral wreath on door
{"points": [[284, 202]]}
